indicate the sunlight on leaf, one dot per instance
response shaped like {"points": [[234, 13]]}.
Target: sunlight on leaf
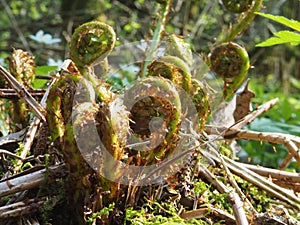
{"points": [[45, 70], [283, 20], [281, 37]]}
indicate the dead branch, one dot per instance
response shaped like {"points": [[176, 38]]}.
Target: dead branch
{"points": [[23, 93], [27, 143], [11, 138], [293, 149], [203, 212], [254, 178], [21, 208], [233, 133], [5, 152], [11, 94], [284, 179], [22, 182], [291, 142], [238, 209], [263, 183], [237, 205], [273, 173], [253, 115], [286, 162]]}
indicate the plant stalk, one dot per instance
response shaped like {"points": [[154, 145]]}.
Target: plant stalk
{"points": [[161, 23]]}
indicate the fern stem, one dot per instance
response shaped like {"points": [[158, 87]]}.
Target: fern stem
{"points": [[243, 24], [165, 8]]}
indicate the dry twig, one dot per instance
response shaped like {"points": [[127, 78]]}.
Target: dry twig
{"points": [[263, 183], [11, 94], [253, 115], [291, 142], [23, 93], [11, 138], [202, 212], [5, 152], [25, 180], [21, 208], [237, 205], [284, 179]]}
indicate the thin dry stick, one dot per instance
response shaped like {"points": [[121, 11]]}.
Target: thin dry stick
{"points": [[253, 115], [5, 152], [293, 149], [259, 181], [288, 185], [235, 196], [237, 206], [202, 212], [238, 209], [276, 138], [235, 185], [231, 133], [211, 178], [265, 184], [11, 94], [27, 143], [286, 162], [291, 142], [19, 183], [293, 153], [273, 173], [21, 208], [23, 93], [11, 138]]}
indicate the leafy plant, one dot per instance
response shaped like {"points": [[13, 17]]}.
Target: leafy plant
{"points": [[102, 212], [44, 71], [155, 213], [285, 36]]}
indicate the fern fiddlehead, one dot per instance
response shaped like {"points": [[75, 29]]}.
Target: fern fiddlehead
{"points": [[21, 66], [153, 105], [172, 68], [231, 62], [151, 99], [71, 109], [237, 6], [91, 43], [176, 70]]}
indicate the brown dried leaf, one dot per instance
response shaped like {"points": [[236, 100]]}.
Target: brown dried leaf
{"points": [[243, 102]]}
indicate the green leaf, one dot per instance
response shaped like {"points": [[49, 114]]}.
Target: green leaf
{"points": [[39, 83], [295, 82], [283, 20], [281, 37], [266, 125], [44, 70]]}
